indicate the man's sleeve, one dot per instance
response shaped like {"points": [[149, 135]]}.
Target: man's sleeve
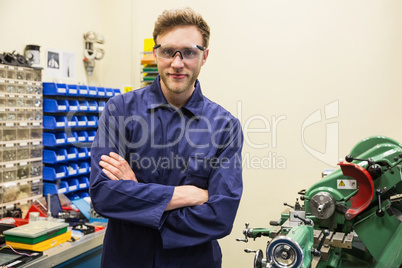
{"points": [[138, 203], [214, 219]]}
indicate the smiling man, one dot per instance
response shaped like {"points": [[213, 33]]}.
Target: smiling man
{"points": [[166, 161]]}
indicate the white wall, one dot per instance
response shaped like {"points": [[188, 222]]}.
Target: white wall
{"points": [[61, 25], [276, 60]]}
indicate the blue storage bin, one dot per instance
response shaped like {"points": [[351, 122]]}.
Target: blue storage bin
{"points": [[82, 121], [91, 135], [101, 106], [83, 183], [92, 121], [92, 92], [53, 139], [101, 92], [54, 106], [51, 173], [72, 90], [72, 153], [54, 156], [83, 168], [83, 194], [83, 106], [50, 188], [73, 106], [54, 122], [63, 187], [93, 106], [82, 90], [72, 184], [82, 153], [72, 169], [82, 136], [54, 89], [89, 152], [72, 137], [116, 91], [109, 92], [72, 121], [73, 196]]}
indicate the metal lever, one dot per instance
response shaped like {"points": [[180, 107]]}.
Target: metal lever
{"points": [[350, 159], [379, 212], [286, 204], [317, 252], [245, 235], [306, 221]]}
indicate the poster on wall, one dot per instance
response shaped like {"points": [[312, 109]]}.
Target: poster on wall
{"points": [[60, 64]]}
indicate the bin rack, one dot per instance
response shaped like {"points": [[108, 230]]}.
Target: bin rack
{"points": [[82, 90], [82, 136], [51, 188], [83, 183], [54, 122], [83, 168], [101, 106], [54, 89], [54, 138], [116, 91], [92, 92], [93, 106], [72, 90], [72, 121], [82, 121], [72, 153], [101, 92], [82, 152], [83, 194], [52, 173], [92, 121], [55, 106], [73, 105], [109, 92], [91, 135], [73, 196], [72, 184], [83, 107], [72, 137], [54, 156]]}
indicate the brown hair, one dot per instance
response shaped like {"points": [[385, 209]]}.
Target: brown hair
{"points": [[175, 17]]}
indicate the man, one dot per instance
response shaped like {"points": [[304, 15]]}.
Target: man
{"points": [[166, 161]]}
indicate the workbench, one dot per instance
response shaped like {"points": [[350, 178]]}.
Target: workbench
{"points": [[85, 252]]}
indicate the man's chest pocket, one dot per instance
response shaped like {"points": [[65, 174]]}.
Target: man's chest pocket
{"points": [[198, 172]]}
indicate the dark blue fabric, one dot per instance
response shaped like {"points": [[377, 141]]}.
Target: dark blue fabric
{"points": [[199, 144]]}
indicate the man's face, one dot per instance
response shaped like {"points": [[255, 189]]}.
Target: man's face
{"points": [[178, 75]]}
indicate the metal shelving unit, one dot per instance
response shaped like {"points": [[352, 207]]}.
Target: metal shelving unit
{"points": [[20, 136]]}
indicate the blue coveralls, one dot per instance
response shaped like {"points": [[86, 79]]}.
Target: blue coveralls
{"points": [[199, 144]]}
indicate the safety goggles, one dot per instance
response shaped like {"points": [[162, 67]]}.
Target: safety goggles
{"points": [[186, 52]]}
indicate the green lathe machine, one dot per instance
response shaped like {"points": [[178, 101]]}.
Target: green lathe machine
{"points": [[351, 218]]}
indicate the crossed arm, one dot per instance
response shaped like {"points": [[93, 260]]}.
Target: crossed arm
{"points": [[117, 168]]}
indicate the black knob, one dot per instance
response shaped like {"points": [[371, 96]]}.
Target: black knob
{"points": [[375, 171], [9, 57], [349, 158]]}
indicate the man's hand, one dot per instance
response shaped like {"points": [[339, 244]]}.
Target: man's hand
{"points": [[187, 196], [116, 167]]}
